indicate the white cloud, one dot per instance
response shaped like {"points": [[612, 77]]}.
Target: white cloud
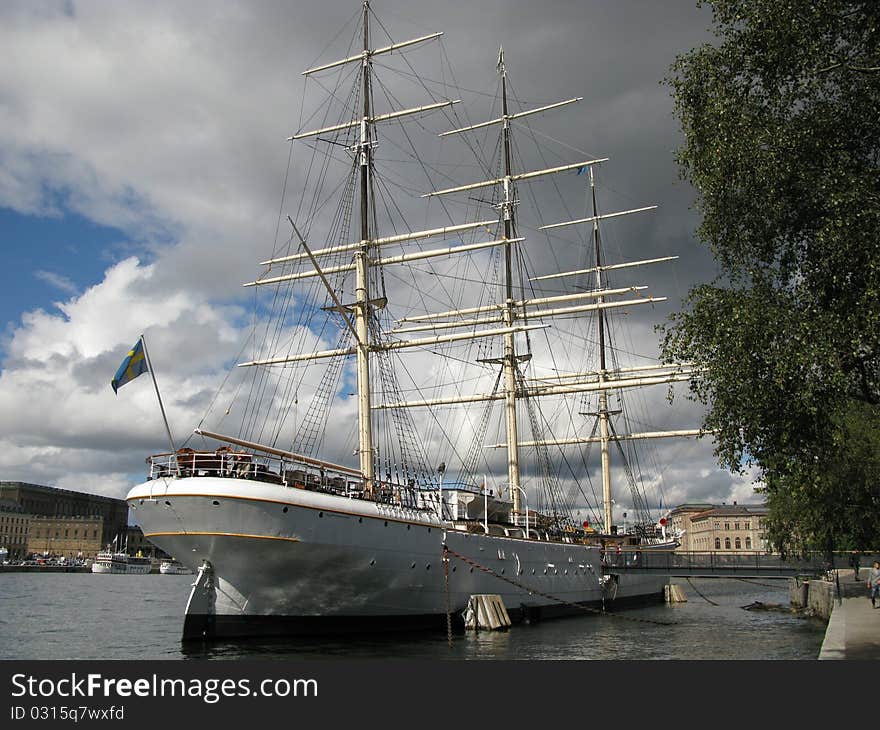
{"points": [[59, 281], [167, 120]]}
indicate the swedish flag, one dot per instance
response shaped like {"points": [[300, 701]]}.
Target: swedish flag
{"points": [[134, 364]]}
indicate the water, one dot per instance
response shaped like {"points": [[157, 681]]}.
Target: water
{"points": [[87, 616]]}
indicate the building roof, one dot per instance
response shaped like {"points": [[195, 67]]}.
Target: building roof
{"points": [[58, 492], [692, 507], [733, 510]]}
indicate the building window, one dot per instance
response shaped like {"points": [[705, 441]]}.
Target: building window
{"points": [[748, 543], [717, 525], [717, 543], [737, 544], [748, 525], [726, 525], [727, 543], [736, 525]]}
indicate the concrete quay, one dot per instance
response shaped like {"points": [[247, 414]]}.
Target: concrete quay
{"points": [[45, 569], [853, 630]]}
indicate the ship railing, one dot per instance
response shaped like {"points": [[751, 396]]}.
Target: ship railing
{"points": [[225, 462]]}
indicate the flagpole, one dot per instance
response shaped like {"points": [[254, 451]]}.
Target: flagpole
{"points": [[156, 385]]}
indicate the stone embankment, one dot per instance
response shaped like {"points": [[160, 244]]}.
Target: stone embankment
{"points": [[816, 596], [853, 630]]}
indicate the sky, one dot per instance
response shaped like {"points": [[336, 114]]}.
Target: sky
{"points": [[142, 156]]}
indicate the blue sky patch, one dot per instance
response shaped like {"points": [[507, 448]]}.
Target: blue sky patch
{"points": [[47, 259]]}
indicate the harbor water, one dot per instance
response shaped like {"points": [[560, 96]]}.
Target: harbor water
{"points": [[87, 616]]}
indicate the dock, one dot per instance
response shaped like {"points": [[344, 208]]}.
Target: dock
{"points": [[854, 626], [45, 569]]}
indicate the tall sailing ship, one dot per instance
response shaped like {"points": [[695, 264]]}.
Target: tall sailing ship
{"points": [[286, 537]]}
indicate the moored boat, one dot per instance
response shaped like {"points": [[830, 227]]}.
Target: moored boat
{"points": [[119, 562], [173, 567]]}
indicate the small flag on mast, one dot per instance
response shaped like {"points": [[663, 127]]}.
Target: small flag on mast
{"points": [[134, 364]]}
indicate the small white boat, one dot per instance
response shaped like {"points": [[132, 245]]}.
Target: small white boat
{"points": [[173, 567]]}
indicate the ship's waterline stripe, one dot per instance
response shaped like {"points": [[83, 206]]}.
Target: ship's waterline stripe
{"points": [[221, 534], [387, 518]]}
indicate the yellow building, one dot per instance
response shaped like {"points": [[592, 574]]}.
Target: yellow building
{"points": [[72, 537], [14, 529], [679, 523], [730, 529]]}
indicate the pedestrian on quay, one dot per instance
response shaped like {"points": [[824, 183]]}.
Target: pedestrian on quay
{"points": [[874, 583], [854, 562]]}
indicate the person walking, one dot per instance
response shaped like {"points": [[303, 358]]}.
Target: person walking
{"points": [[874, 583], [855, 563]]}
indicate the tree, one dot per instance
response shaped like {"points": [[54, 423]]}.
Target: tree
{"points": [[782, 144]]}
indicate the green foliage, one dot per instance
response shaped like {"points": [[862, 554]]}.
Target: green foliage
{"points": [[833, 503], [781, 121]]}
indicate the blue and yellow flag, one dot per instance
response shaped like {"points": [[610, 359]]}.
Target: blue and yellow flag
{"points": [[134, 364]]}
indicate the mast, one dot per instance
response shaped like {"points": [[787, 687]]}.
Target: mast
{"points": [[509, 360], [362, 293], [604, 431]]}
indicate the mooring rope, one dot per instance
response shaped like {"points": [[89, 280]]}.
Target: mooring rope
{"points": [[708, 600], [449, 551]]}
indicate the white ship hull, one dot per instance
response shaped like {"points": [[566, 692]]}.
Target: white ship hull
{"points": [[284, 560], [174, 569], [105, 568], [120, 565]]}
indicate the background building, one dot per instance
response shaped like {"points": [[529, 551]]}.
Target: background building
{"points": [[729, 529], [71, 537], [679, 522], [68, 522], [14, 529]]}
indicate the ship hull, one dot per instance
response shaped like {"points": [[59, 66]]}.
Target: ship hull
{"points": [[121, 567], [277, 560]]}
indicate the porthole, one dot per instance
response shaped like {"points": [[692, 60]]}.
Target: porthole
{"points": [[167, 503], [429, 529], [360, 519], [320, 514], [386, 523], [472, 570], [413, 565], [284, 510], [215, 503], [453, 568], [372, 562], [428, 566], [408, 526], [141, 502]]}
